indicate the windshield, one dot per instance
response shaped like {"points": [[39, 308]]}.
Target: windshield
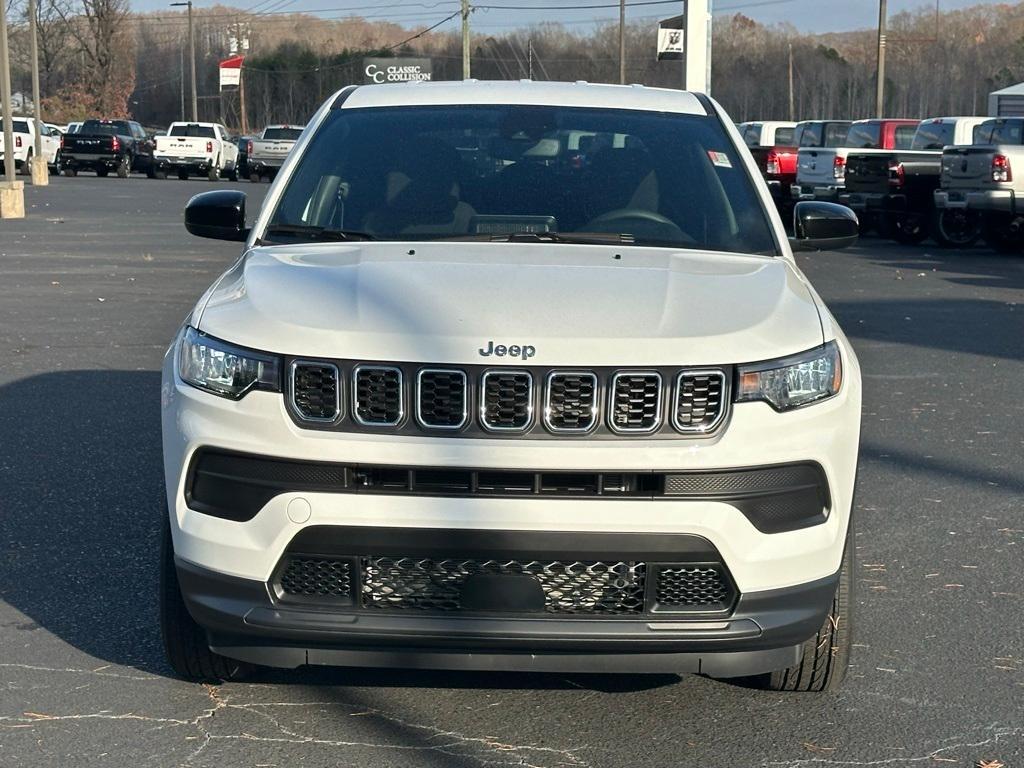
{"points": [[418, 173], [99, 128], [864, 136], [933, 135], [195, 131], [288, 134]]}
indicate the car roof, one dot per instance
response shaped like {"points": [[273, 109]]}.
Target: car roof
{"points": [[526, 92]]}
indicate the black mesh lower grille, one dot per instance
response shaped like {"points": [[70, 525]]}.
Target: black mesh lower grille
{"points": [[692, 588], [699, 401], [315, 391], [570, 587], [636, 402], [378, 395], [316, 577], [571, 402], [442, 399], [507, 400]]}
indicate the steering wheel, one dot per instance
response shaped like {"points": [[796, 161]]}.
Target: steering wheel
{"points": [[638, 221]]}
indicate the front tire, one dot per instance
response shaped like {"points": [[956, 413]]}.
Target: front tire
{"points": [[185, 641]]}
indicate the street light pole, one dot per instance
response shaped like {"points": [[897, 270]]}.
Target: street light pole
{"points": [[880, 74], [40, 170], [192, 59], [622, 42], [12, 192], [465, 39]]}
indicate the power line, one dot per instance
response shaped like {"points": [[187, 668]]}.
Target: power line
{"points": [[568, 7]]}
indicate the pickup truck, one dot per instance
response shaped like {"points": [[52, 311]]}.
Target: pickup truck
{"points": [[103, 146], [896, 187], [24, 130], [266, 153], [778, 162], [821, 172], [569, 416], [201, 149], [978, 183]]}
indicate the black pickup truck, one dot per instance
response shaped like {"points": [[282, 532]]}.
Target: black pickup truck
{"points": [[896, 187], [103, 146]]}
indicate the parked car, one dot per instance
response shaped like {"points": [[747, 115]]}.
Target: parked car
{"points": [[778, 162], [24, 130], [102, 146], [897, 187], [569, 416], [203, 149], [978, 187], [821, 172], [767, 133], [266, 154]]}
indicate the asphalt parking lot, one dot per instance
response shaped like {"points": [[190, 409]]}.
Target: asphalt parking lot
{"points": [[93, 285]]}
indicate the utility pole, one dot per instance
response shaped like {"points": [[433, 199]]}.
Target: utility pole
{"points": [[241, 99], [12, 193], [880, 73], [181, 80], [192, 57], [792, 103], [465, 39], [622, 42], [40, 171]]}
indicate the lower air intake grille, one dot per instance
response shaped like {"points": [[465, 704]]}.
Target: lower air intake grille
{"points": [[507, 400], [317, 577], [571, 404], [636, 402], [570, 587], [316, 391], [692, 588], [441, 399], [378, 395], [700, 401]]}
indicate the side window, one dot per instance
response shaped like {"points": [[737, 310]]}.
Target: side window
{"points": [[905, 136], [784, 137]]}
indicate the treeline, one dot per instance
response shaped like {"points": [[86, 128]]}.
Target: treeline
{"points": [[96, 57]]}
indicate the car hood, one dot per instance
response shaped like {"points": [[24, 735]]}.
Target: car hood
{"points": [[575, 305]]}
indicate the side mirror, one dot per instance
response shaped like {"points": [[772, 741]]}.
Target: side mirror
{"points": [[819, 226], [219, 215]]}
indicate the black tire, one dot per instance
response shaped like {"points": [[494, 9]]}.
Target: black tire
{"points": [[183, 174], [124, 168], [213, 174], [151, 173], [865, 223], [955, 228], [995, 231], [26, 167], [908, 229], [70, 171], [185, 641], [254, 177], [232, 175], [159, 174], [825, 657], [102, 172], [56, 162]]}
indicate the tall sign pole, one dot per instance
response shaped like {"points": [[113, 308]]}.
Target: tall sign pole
{"points": [[687, 38], [40, 170], [12, 192], [880, 73], [622, 42], [465, 39]]}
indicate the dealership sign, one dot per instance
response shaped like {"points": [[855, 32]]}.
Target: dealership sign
{"points": [[231, 71], [402, 70]]}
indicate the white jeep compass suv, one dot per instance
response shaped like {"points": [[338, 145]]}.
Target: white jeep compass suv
{"points": [[515, 376]]}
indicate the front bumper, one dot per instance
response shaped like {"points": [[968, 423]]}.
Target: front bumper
{"points": [[994, 200]]}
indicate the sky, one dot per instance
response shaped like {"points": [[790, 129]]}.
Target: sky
{"points": [[806, 15]]}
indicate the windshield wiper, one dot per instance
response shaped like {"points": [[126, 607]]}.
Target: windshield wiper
{"points": [[313, 232], [580, 238]]}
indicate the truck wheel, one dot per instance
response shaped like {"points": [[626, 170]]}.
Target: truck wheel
{"points": [[955, 228], [123, 168], [102, 172], [70, 171], [56, 163], [26, 167], [213, 174], [159, 173], [185, 641], [151, 173], [254, 177], [232, 175], [183, 174], [909, 229], [995, 231], [823, 658]]}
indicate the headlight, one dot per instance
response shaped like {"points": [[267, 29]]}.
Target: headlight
{"points": [[793, 381], [224, 369]]}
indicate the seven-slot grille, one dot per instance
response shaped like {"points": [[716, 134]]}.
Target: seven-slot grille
{"points": [[316, 390], [442, 399], [506, 400], [700, 397], [377, 395], [571, 404], [635, 402]]}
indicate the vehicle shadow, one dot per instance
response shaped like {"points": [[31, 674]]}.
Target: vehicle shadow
{"points": [[80, 532], [976, 266]]}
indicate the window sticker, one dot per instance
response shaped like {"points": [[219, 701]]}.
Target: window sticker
{"points": [[719, 159]]}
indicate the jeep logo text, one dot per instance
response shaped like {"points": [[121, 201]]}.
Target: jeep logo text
{"points": [[525, 351]]}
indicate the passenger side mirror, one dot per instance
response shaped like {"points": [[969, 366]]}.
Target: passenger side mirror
{"points": [[820, 226], [219, 215]]}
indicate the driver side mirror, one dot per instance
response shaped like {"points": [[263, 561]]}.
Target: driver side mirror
{"points": [[219, 215], [820, 226]]}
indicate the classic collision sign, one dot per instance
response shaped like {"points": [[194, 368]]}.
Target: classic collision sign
{"points": [[396, 70]]}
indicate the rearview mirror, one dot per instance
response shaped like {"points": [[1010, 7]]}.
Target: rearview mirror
{"points": [[219, 215], [820, 226]]}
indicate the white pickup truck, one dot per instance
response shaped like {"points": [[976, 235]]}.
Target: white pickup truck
{"points": [[200, 149], [267, 153], [24, 144]]}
